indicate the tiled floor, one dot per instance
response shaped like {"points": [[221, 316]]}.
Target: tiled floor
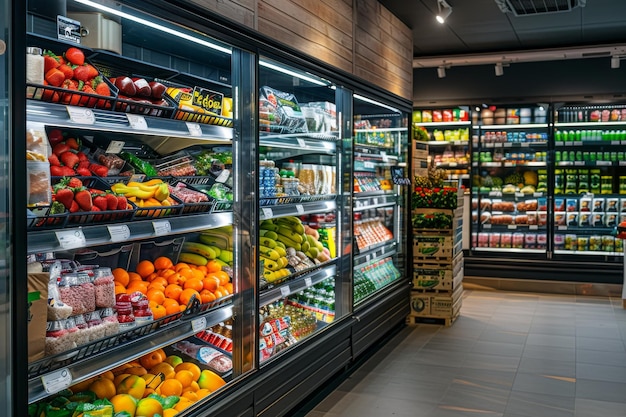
{"points": [[508, 355]]}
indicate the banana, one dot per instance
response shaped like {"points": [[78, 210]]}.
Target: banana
{"points": [[162, 192], [282, 261], [269, 264], [294, 226], [311, 240], [270, 226], [192, 258], [226, 256], [201, 249], [281, 251], [305, 246], [280, 244], [288, 242], [262, 232], [120, 188], [266, 241], [268, 252], [221, 242], [286, 231], [270, 234], [292, 220]]}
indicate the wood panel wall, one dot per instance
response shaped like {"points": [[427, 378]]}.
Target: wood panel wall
{"points": [[360, 37]]}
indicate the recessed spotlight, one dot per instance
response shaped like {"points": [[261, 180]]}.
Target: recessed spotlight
{"points": [[444, 10]]}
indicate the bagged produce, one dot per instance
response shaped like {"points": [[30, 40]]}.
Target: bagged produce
{"points": [[282, 111]]}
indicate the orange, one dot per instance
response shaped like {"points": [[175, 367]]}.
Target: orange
{"points": [[176, 278], [158, 312], [167, 272], [206, 297], [121, 276], [186, 273], [155, 295], [119, 378], [229, 286], [223, 276], [180, 266], [170, 412], [163, 262], [145, 268], [182, 307], [165, 369], [211, 282], [202, 268], [197, 274], [103, 388], [185, 377], [191, 367], [171, 306], [134, 276], [120, 289], [186, 295], [160, 281], [203, 392], [213, 266], [141, 286], [152, 359], [194, 386], [173, 291], [151, 277], [182, 404], [124, 402], [170, 387], [190, 395], [108, 375], [219, 294], [194, 284], [159, 287], [224, 290]]}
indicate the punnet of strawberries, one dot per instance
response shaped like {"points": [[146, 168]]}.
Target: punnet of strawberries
{"points": [[67, 160], [76, 197]]}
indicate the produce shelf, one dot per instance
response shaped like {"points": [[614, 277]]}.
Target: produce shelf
{"points": [[106, 359], [515, 126], [301, 282], [376, 252], [301, 205], [447, 142], [428, 124], [371, 202]]}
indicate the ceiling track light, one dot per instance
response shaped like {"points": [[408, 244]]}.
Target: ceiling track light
{"points": [[444, 10], [441, 72], [499, 69], [615, 60]]}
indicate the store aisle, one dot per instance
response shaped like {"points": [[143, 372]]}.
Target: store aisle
{"points": [[508, 355]]}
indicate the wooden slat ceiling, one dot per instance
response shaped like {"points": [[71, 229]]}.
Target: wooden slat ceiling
{"points": [[477, 26]]}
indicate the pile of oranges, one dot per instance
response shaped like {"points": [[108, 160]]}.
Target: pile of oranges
{"points": [[169, 287]]}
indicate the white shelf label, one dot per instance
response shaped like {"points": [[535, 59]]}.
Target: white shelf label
{"points": [[507, 145], [71, 239], [486, 226], [56, 381], [81, 115], [137, 121], [267, 213], [519, 194], [495, 194], [119, 233], [616, 142], [512, 226], [308, 281], [489, 145], [162, 227], [539, 194], [559, 144], [369, 165], [533, 227], [194, 129], [198, 325], [300, 208], [578, 143], [383, 155], [580, 163], [604, 163], [115, 146], [368, 257], [622, 163], [562, 228], [525, 145], [285, 291], [301, 143], [223, 177], [510, 164], [137, 178], [452, 164]]}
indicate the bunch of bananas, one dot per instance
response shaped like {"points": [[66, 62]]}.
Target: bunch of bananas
{"points": [[153, 193]]}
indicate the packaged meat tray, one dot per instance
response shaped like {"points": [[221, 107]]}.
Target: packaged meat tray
{"points": [[282, 111], [206, 356], [179, 164], [194, 201]]}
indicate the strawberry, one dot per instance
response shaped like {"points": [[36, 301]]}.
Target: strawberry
{"points": [[84, 163], [55, 136], [97, 217], [83, 198], [100, 202], [122, 202], [103, 89], [65, 196], [82, 73], [50, 61], [99, 170], [54, 77], [83, 172], [75, 56], [70, 98], [60, 148], [74, 207], [56, 171], [81, 155], [111, 201], [69, 159], [74, 182], [54, 160], [86, 100], [67, 172], [93, 72], [67, 70], [74, 143]]}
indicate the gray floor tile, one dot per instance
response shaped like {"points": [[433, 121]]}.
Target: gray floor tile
{"points": [[491, 335], [536, 339], [542, 384], [604, 345], [598, 332], [550, 353], [601, 391], [600, 357], [594, 408], [557, 330], [544, 366], [494, 362], [497, 348], [601, 372], [539, 405], [464, 395]]}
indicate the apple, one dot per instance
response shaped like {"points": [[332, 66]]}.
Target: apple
{"points": [[148, 407], [126, 86], [173, 360], [157, 88], [142, 86]]}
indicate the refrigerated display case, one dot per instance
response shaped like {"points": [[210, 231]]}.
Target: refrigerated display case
{"points": [[448, 133]]}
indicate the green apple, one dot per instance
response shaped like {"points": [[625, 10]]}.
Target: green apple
{"points": [[174, 360]]}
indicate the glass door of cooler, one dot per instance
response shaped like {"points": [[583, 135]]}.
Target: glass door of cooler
{"points": [[447, 132], [300, 160], [379, 209], [510, 181], [136, 215], [589, 180]]}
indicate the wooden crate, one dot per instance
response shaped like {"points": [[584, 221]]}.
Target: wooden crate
{"points": [[446, 305], [438, 280], [438, 307], [448, 263], [436, 246]]}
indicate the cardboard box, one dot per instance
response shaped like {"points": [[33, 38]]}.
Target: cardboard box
{"points": [[37, 314], [420, 304], [438, 279]]}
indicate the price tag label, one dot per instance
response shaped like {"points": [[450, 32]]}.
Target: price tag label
{"points": [[604, 163], [562, 227], [71, 239], [582, 163], [486, 226], [495, 193], [198, 325], [616, 142], [56, 381], [162, 227], [452, 164], [300, 208], [194, 129], [507, 145], [115, 146], [519, 194], [533, 227], [489, 145], [509, 164], [137, 121], [369, 165], [285, 291], [119, 233], [512, 226], [368, 257], [578, 143], [137, 177], [301, 143], [622, 163], [223, 177], [81, 115], [538, 194], [525, 144], [308, 281], [559, 144], [383, 155], [267, 213]]}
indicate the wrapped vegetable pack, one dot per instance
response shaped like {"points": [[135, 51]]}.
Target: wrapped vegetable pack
{"points": [[279, 112]]}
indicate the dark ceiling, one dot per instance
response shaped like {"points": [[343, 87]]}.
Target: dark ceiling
{"points": [[477, 26]]}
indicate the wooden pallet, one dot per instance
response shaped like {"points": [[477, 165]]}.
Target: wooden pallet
{"points": [[445, 321]]}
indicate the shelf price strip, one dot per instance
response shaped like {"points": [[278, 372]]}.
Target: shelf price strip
{"points": [[162, 227], [56, 381], [199, 324], [285, 291], [71, 239], [119, 233], [137, 121], [81, 115], [194, 129]]}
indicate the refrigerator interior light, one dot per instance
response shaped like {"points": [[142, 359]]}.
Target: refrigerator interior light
{"points": [[155, 25], [369, 100], [304, 77]]}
